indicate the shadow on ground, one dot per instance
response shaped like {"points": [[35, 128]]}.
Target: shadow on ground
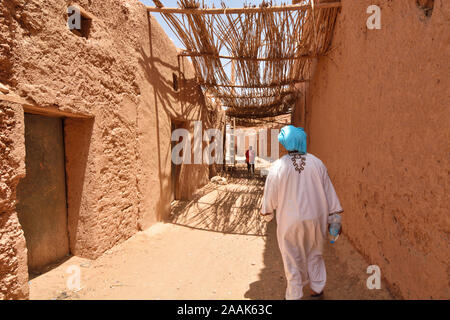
{"points": [[271, 283], [232, 208]]}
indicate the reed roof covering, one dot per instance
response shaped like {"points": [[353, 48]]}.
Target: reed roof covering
{"points": [[268, 47]]}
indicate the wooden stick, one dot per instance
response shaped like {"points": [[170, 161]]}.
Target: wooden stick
{"points": [[256, 116], [199, 54], [283, 93], [201, 11], [269, 85], [31, 108], [84, 13], [269, 47]]}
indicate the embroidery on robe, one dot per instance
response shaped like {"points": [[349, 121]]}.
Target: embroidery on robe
{"points": [[294, 158]]}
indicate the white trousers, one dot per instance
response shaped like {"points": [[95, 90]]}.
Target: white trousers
{"points": [[301, 248]]}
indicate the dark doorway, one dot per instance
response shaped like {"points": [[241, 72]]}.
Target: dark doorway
{"points": [[173, 167], [175, 170], [42, 205]]}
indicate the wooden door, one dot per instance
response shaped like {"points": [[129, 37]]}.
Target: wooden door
{"points": [[42, 205]]}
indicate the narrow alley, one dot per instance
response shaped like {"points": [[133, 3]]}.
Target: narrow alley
{"points": [[137, 136], [215, 247]]}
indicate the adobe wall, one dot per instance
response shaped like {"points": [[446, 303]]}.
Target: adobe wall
{"points": [[377, 115], [13, 252], [117, 84]]}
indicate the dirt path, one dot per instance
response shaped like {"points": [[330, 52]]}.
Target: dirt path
{"points": [[215, 247]]}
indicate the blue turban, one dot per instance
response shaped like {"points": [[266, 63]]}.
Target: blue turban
{"points": [[293, 138]]}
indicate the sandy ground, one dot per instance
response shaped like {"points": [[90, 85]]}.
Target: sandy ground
{"points": [[214, 247]]}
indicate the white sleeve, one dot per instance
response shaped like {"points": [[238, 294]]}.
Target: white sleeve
{"points": [[270, 198], [334, 206]]}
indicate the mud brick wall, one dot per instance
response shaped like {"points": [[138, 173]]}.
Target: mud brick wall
{"points": [[13, 254], [115, 88], [377, 115]]}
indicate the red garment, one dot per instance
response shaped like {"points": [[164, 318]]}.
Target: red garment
{"points": [[246, 156]]}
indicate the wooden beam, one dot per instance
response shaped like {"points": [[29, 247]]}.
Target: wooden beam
{"points": [[14, 99], [201, 11], [55, 112], [257, 115], [269, 85], [283, 93], [84, 13], [210, 55], [246, 122], [31, 108], [248, 109]]}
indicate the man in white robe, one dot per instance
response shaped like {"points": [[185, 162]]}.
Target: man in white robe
{"points": [[299, 189]]}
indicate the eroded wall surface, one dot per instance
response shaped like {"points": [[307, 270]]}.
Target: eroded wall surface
{"points": [[120, 82], [13, 252], [377, 115]]}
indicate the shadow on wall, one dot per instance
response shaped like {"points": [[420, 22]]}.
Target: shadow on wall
{"points": [[427, 6], [164, 95], [77, 140], [272, 282], [189, 94], [187, 103], [232, 208]]}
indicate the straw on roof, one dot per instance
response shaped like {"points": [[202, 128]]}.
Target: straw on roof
{"points": [[269, 47]]}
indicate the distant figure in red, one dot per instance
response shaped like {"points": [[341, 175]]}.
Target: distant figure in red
{"points": [[250, 160]]}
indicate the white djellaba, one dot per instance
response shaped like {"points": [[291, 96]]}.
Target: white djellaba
{"points": [[299, 189]]}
